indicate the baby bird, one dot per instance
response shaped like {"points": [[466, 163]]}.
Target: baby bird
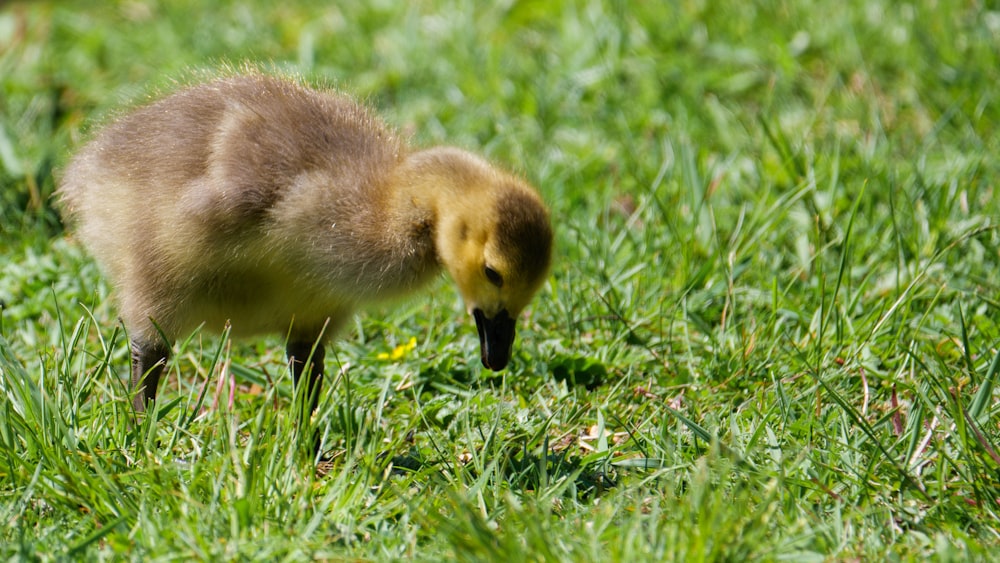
{"points": [[255, 201]]}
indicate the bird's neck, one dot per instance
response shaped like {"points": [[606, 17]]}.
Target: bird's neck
{"points": [[443, 186]]}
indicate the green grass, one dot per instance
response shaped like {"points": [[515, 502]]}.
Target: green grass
{"points": [[770, 333]]}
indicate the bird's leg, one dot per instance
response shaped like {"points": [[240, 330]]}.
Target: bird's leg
{"points": [[148, 360], [306, 358]]}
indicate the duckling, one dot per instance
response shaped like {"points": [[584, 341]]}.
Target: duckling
{"points": [[258, 202]]}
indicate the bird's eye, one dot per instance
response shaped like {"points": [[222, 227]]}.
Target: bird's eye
{"points": [[494, 276]]}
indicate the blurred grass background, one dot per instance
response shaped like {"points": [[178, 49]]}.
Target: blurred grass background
{"points": [[770, 331]]}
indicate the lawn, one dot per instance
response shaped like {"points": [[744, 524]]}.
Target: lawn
{"points": [[770, 332]]}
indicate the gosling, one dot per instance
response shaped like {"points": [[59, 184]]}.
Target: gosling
{"points": [[258, 202]]}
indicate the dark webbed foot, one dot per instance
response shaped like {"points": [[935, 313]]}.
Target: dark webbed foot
{"points": [[148, 360]]}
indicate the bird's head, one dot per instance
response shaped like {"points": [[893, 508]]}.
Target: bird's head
{"points": [[496, 243]]}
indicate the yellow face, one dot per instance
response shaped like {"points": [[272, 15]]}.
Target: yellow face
{"points": [[488, 281], [499, 258]]}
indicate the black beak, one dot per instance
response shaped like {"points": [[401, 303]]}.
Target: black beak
{"points": [[496, 338]]}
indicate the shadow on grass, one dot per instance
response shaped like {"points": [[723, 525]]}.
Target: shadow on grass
{"points": [[520, 470]]}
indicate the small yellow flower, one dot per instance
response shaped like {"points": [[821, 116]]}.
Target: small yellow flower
{"points": [[399, 351]]}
